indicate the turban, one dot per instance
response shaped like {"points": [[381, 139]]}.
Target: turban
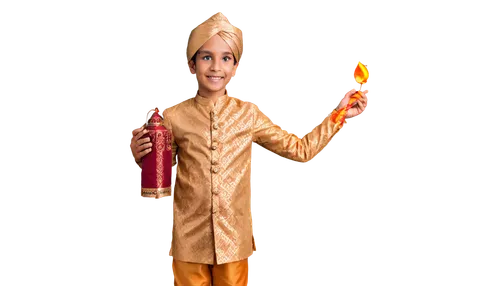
{"points": [[217, 24]]}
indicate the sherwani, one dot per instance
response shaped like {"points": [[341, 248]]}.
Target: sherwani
{"points": [[213, 146]]}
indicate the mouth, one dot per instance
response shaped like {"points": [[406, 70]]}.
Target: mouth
{"points": [[215, 77]]}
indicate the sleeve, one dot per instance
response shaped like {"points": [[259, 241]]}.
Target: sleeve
{"points": [[288, 145]]}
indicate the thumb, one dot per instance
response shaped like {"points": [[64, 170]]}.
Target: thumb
{"points": [[354, 93], [350, 93], [348, 96]]}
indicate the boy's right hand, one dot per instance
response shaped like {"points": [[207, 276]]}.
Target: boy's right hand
{"points": [[140, 147]]}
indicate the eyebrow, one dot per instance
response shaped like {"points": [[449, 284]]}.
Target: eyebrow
{"points": [[209, 52]]}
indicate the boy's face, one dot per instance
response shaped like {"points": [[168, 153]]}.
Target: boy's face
{"points": [[214, 66]]}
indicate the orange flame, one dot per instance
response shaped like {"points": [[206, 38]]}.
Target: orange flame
{"points": [[361, 72]]}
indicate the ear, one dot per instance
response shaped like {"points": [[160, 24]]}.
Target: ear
{"points": [[192, 67], [236, 68]]}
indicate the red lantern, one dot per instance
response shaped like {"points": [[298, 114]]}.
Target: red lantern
{"points": [[156, 174]]}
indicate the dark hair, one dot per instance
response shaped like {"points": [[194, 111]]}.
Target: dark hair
{"points": [[194, 58]]}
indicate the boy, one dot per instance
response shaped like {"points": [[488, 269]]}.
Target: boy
{"points": [[213, 134]]}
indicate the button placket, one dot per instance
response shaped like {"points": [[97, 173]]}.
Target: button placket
{"points": [[214, 161], [215, 207], [215, 143]]}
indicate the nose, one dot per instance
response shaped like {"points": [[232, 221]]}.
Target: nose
{"points": [[215, 65]]}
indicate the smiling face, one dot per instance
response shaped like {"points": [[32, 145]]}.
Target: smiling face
{"points": [[214, 67]]}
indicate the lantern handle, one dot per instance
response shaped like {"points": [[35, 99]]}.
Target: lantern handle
{"points": [[147, 115]]}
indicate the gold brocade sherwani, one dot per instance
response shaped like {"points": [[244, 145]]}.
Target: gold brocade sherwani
{"points": [[213, 144]]}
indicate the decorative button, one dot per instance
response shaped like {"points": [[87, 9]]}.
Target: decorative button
{"points": [[212, 113], [214, 147], [216, 126], [214, 162], [215, 169], [216, 191]]}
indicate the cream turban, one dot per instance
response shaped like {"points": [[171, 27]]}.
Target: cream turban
{"points": [[217, 24]]}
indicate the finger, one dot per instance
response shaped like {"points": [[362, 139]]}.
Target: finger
{"points": [[360, 104], [362, 107], [143, 153], [143, 148], [138, 150], [138, 141], [354, 99], [356, 112], [143, 140], [356, 103], [357, 95], [135, 131], [365, 107], [367, 92], [362, 98], [365, 101], [140, 134], [350, 92]]}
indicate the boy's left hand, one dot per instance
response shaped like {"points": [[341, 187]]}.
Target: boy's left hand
{"points": [[357, 107]]}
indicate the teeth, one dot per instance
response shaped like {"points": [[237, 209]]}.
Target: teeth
{"points": [[214, 77]]}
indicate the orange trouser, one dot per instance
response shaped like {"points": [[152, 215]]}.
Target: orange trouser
{"points": [[197, 274]]}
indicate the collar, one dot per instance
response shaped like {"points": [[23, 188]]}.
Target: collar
{"points": [[207, 101]]}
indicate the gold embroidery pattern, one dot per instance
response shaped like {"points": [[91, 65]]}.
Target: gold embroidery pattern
{"points": [[160, 146], [161, 139], [169, 140], [156, 192]]}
